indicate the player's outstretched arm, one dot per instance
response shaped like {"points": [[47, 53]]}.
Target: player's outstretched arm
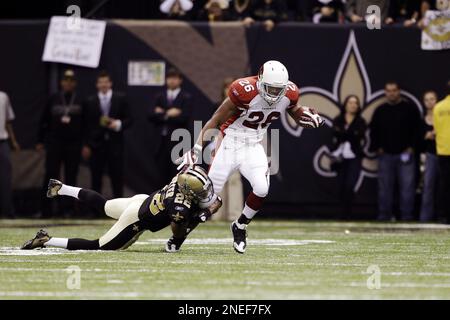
{"points": [[226, 110], [181, 230], [209, 208]]}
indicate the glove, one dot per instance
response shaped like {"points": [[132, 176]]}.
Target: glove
{"points": [[203, 216], [310, 118], [189, 158]]}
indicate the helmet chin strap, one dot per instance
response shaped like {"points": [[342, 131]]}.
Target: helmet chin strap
{"points": [[264, 94]]}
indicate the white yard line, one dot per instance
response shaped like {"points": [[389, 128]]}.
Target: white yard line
{"points": [[226, 241], [14, 251]]}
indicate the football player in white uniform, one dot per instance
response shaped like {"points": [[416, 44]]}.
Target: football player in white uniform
{"points": [[243, 118]]}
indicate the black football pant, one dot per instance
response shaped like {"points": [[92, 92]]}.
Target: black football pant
{"points": [[122, 234], [60, 153]]}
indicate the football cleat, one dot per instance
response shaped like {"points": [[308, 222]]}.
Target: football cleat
{"points": [[53, 187], [174, 244], [239, 238], [37, 242]]}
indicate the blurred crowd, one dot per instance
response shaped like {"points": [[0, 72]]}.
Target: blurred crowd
{"points": [[412, 147], [406, 12], [401, 12]]}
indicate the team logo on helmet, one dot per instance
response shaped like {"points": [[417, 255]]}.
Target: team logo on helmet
{"points": [[194, 183]]}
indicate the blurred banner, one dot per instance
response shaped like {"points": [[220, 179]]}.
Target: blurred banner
{"points": [[328, 62], [74, 40], [436, 32]]}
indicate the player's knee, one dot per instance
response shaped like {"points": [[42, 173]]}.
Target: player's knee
{"points": [[109, 209], [261, 190], [139, 197]]}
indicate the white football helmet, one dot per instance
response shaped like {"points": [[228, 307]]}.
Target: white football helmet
{"points": [[272, 81]]}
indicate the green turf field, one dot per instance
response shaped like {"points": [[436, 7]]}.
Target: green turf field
{"points": [[284, 260]]}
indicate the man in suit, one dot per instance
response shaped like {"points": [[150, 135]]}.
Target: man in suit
{"points": [[109, 116], [62, 133], [172, 110]]}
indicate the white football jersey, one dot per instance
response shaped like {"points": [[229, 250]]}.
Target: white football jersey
{"points": [[255, 114]]}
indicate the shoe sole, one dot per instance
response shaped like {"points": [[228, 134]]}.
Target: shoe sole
{"points": [[49, 195], [30, 242], [169, 251]]}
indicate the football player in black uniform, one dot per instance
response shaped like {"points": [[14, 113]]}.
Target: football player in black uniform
{"points": [[185, 202]]}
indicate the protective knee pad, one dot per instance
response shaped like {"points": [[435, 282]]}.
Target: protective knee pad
{"points": [[261, 190]]}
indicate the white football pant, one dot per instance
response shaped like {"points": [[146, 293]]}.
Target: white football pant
{"points": [[249, 158]]}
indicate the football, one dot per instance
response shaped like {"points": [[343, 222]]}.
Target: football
{"points": [[307, 118]]}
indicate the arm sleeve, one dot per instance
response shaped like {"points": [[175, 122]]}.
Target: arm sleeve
{"points": [[85, 119], [336, 135], [238, 95], [417, 136], [360, 135], [10, 116], [178, 213], [293, 95], [350, 8], [186, 111], [126, 117], [156, 117], [374, 137]]}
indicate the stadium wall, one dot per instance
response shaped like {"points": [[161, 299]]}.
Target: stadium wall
{"points": [[328, 62]]}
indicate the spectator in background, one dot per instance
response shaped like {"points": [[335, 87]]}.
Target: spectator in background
{"points": [[431, 5], [63, 131], [171, 111], [109, 116], [269, 12], [302, 9], [328, 11], [441, 121], [6, 135], [215, 10], [241, 10], [357, 11], [405, 12], [349, 130], [176, 9], [395, 135], [430, 179]]}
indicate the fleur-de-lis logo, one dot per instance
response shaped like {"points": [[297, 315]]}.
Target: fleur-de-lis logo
{"points": [[351, 78]]}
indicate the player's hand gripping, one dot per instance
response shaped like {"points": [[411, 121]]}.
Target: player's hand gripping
{"points": [[310, 118], [189, 158], [203, 216]]}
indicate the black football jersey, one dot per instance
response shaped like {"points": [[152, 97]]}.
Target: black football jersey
{"points": [[165, 206]]}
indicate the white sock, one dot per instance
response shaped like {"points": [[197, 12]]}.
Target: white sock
{"points": [[69, 191], [57, 242], [249, 212], [241, 226]]}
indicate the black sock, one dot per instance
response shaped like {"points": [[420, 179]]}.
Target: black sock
{"points": [[94, 199], [244, 220], [83, 244]]}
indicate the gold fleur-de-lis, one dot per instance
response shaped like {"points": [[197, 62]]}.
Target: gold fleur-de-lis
{"points": [[351, 79]]}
